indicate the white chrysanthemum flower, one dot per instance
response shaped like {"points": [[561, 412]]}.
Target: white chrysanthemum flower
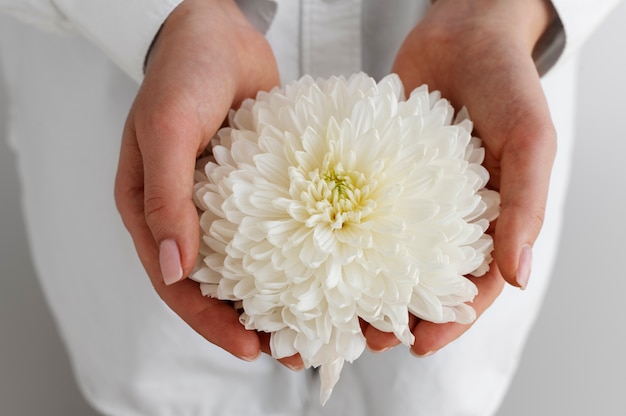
{"points": [[335, 200]]}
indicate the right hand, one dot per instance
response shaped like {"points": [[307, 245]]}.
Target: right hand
{"points": [[206, 59]]}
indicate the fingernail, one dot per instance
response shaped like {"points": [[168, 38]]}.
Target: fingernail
{"points": [[377, 350], [524, 267], [294, 367], [169, 260], [251, 358], [427, 354]]}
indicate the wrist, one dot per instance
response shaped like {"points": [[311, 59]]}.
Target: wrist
{"points": [[522, 20], [536, 16], [193, 14]]}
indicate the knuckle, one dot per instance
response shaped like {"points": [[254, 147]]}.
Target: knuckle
{"points": [[528, 136], [121, 195], [536, 219], [128, 204], [533, 218], [155, 209], [162, 119], [522, 216]]}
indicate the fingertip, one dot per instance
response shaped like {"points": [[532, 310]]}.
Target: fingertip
{"points": [[294, 363], [513, 249], [524, 267], [169, 261], [250, 356], [421, 355], [431, 337], [175, 230], [248, 346], [246, 349], [378, 341], [514, 264], [377, 349]]}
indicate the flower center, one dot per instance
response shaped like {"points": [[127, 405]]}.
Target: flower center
{"points": [[338, 197], [341, 184]]}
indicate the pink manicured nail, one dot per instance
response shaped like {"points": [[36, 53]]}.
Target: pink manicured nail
{"points": [[169, 259], [524, 267]]}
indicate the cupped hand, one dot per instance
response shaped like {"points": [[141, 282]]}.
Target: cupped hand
{"points": [[478, 54], [206, 59]]}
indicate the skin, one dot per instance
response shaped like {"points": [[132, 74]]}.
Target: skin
{"points": [[208, 58]]}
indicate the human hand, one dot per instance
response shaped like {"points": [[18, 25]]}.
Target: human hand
{"points": [[478, 54], [206, 59]]}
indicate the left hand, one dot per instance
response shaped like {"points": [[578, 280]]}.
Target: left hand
{"points": [[478, 54]]}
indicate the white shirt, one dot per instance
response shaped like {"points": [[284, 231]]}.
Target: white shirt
{"points": [[130, 353], [124, 29]]}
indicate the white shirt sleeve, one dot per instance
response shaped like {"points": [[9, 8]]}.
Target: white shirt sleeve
{"points": [[123, 29], [576, 21], [40, 13]]}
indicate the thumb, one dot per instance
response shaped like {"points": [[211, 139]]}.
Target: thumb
{"points": [[526, 164], [168, 158]]}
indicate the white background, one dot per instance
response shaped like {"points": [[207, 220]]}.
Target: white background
{"points": [[575, 360]]}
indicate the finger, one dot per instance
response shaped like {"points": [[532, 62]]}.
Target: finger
{"points": [[431, 337], [215, 320], [169, 163], [293, 362], [379, 341], [169, 138]]}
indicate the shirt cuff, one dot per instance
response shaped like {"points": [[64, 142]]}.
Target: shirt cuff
{"points": [[260, 13], [123, 29], [550, 45]]}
